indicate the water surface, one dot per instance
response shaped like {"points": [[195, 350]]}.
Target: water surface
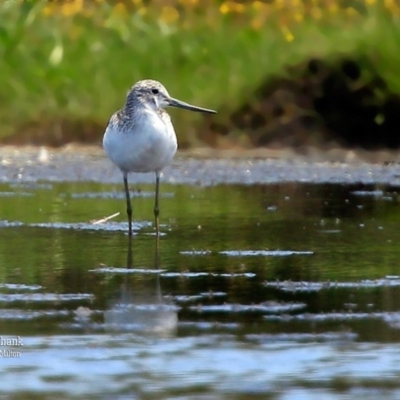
{"points": [[256, 290]]}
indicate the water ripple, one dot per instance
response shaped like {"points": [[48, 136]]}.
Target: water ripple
{"points": [[278, 253], [44, 297], [266, 307], [308, 286]]}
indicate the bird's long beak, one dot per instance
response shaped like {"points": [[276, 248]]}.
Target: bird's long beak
{"points": [[181, 104]]}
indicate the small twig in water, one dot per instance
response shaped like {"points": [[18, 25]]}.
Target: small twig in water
{"points": [[105, 219]]}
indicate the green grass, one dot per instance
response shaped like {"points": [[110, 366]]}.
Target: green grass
{"points": [[57, 68]]}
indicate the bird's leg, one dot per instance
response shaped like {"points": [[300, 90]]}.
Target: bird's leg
{"points": [[156, 267], [156, 208], [129, 255], [128, 203]]}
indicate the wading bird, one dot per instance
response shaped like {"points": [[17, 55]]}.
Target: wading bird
{"points": [[141, 138]]}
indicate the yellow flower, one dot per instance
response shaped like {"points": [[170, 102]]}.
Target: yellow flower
{"points": [[288, 35], [224, 9], [256, 23], [239, 8], [259, 5], [48, 9], [333, 8], [70, 8], [169, 14], [120, 9], [392, 6], [316, 12], [142, 11], [231, 7], [299, 17]]}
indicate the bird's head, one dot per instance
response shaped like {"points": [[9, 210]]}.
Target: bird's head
{"points": [[153, 94]]}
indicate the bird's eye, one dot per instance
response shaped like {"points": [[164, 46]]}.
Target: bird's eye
{"points": [[154, 91]]}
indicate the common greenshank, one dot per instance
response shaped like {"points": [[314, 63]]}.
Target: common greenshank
{"points": [[141, 138]]}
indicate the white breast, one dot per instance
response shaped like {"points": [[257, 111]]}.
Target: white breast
{"points": [[147, 147]]}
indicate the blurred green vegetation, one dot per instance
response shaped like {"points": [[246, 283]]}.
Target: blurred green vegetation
{"points": [[66, 66]]}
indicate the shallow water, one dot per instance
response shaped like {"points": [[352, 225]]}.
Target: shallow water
{"points": [[281, 291]]}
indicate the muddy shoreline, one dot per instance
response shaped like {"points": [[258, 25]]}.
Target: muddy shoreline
{"points": [[204, 167]]}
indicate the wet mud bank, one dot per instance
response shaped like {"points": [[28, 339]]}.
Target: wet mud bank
{"points": [[76, 163]]}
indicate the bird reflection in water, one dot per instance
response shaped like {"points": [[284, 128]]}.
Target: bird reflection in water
{"points": [[139, 311]]}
